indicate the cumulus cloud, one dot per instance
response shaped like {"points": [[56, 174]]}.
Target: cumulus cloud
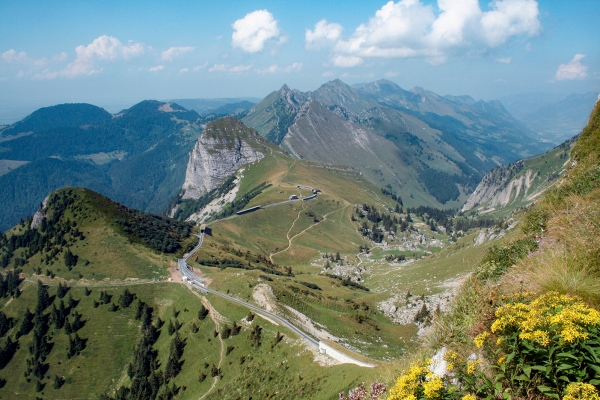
{"points": [[45, 75], [102, 48], [199, 67], [504, 60], [12, 56], [183, 70], [252, 32], [574, 69], [343, 61], [271, 69], [295, 67], [323, 35], [156, 68], [175, 52], [411, 29], [240, 68], [218, 68]]}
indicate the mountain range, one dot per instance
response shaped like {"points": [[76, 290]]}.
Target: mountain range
{"points": [[554, 117], [137, 157], [427, 149]]}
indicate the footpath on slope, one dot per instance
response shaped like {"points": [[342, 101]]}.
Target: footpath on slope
{"points": [[325, 347]]}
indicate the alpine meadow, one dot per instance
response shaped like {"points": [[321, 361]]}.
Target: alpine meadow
{"points": [[300, 200]]}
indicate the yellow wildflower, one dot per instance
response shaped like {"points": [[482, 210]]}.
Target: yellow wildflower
{"points": [[481, 338], [407, 383], [469, 397], [581, 391], [501, 360], [471, 366], [549, 314], [432, 387]]}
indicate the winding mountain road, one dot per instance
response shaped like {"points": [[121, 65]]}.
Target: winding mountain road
{"points": [[198, 283]]}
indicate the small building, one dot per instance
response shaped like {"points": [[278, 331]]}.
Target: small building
{"points": [[293, 197], [202, 228]]}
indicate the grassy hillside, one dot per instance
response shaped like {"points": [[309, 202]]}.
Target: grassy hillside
{"points": [[530, 312], [329, 258], [93, 275]]}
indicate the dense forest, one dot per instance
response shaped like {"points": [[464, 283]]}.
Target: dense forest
{"points": [[83, 145]]}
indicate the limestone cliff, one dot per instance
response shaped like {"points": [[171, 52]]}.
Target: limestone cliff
{"points": [[520, 183], [225, 145]]}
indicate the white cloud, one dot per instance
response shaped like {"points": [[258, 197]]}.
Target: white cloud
{"points": [[411, 29], [240, 68], [328, 74], [60, 57], [102, 48], [12, 56], [295, 67], [504, 60], [218, 68], [252, 32], [323, 35], [574, 69], [45, 74], [199, 67], [346, 61], [269, 70], [156, 68], [175, 52], [183, 70]]}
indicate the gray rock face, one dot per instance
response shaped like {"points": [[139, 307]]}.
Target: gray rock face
{"points": [[214, 159]]}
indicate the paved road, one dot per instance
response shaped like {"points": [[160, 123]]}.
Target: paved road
{"points": [[198, 283], [274, 204]]}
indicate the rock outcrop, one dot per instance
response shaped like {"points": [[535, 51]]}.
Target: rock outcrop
{"points": [[225, 145]]}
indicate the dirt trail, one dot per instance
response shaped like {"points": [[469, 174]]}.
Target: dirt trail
{"points": [[217, 319], [290, 239], [288, 235]]}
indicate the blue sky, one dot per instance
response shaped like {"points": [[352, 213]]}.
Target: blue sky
{"points": [[116, 53]]}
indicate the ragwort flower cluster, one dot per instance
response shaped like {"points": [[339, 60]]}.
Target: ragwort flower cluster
{"points": [[548, 315]]}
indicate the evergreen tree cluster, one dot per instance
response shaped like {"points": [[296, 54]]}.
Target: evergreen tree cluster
{"points": [[240, 202], [160, 233], [9, 283], [392, 194], [466, 224], [255, 336], [348, 282], [174, 363], [54, 233], [148, 381]]}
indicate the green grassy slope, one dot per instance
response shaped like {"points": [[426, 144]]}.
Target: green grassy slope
{"points": [[542, 279], [113, 256]]}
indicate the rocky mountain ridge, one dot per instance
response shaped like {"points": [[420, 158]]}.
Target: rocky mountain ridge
{"points": [[429, 149], [224, 146], [520, 183]]}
